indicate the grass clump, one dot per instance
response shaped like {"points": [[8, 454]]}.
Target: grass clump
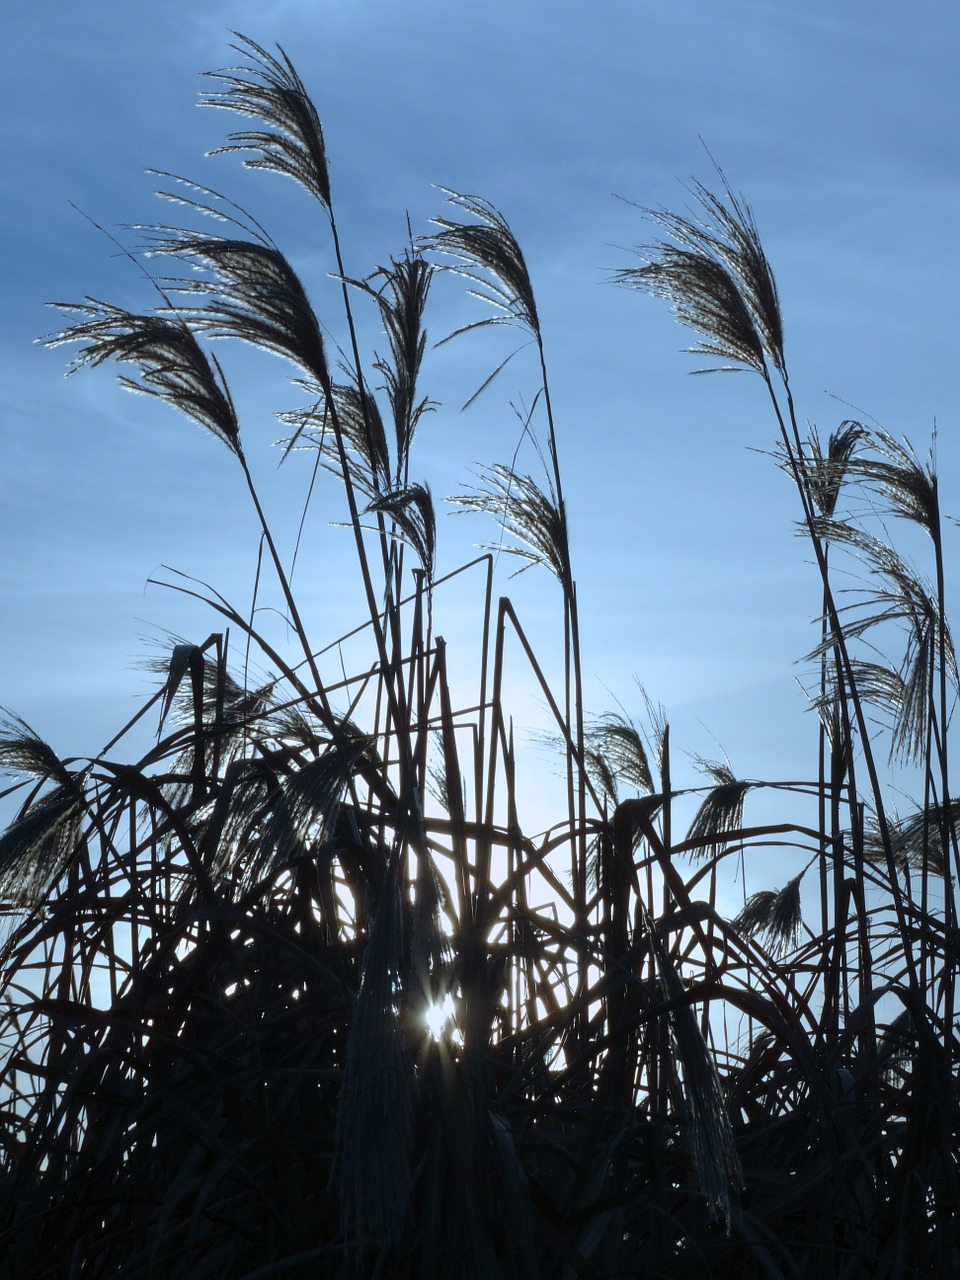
{"points": [[295, 994]]}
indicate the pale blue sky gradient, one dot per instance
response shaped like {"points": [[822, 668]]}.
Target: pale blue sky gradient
{"points": [[839, 123]]}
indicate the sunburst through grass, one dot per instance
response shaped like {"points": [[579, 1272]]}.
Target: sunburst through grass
{"points": [[298, 991]]}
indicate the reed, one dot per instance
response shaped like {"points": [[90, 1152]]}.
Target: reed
{"points": [[294, 993]]}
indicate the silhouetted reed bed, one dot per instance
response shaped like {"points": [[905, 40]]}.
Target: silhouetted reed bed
{"points": [[281, 998]]}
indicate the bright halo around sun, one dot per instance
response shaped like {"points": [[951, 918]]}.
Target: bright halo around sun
{"points": [[438, 1017]]}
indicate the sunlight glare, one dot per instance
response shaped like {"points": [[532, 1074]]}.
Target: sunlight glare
{"points": [[439, 1016]]}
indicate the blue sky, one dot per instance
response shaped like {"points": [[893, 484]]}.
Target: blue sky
{"points": [[840, 125]]}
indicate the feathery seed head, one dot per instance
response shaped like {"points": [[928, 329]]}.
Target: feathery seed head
{"points": [[268, 88], [256, 297], [362, 431], [171, 363], [717, 279], [486, 252], [411, 509], [909, 485], [524, 512], [402, 299], [774, 915], [722, 807], [825, 472], [36, 847], [616, 741]]}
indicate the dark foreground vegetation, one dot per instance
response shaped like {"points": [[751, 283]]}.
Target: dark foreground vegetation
{"points": [[282, 998]]}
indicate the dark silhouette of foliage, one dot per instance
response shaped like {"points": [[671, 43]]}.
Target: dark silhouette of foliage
{"points": [[294, 994]]}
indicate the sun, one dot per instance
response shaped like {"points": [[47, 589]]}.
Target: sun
{"points": [[439, 1016]]}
